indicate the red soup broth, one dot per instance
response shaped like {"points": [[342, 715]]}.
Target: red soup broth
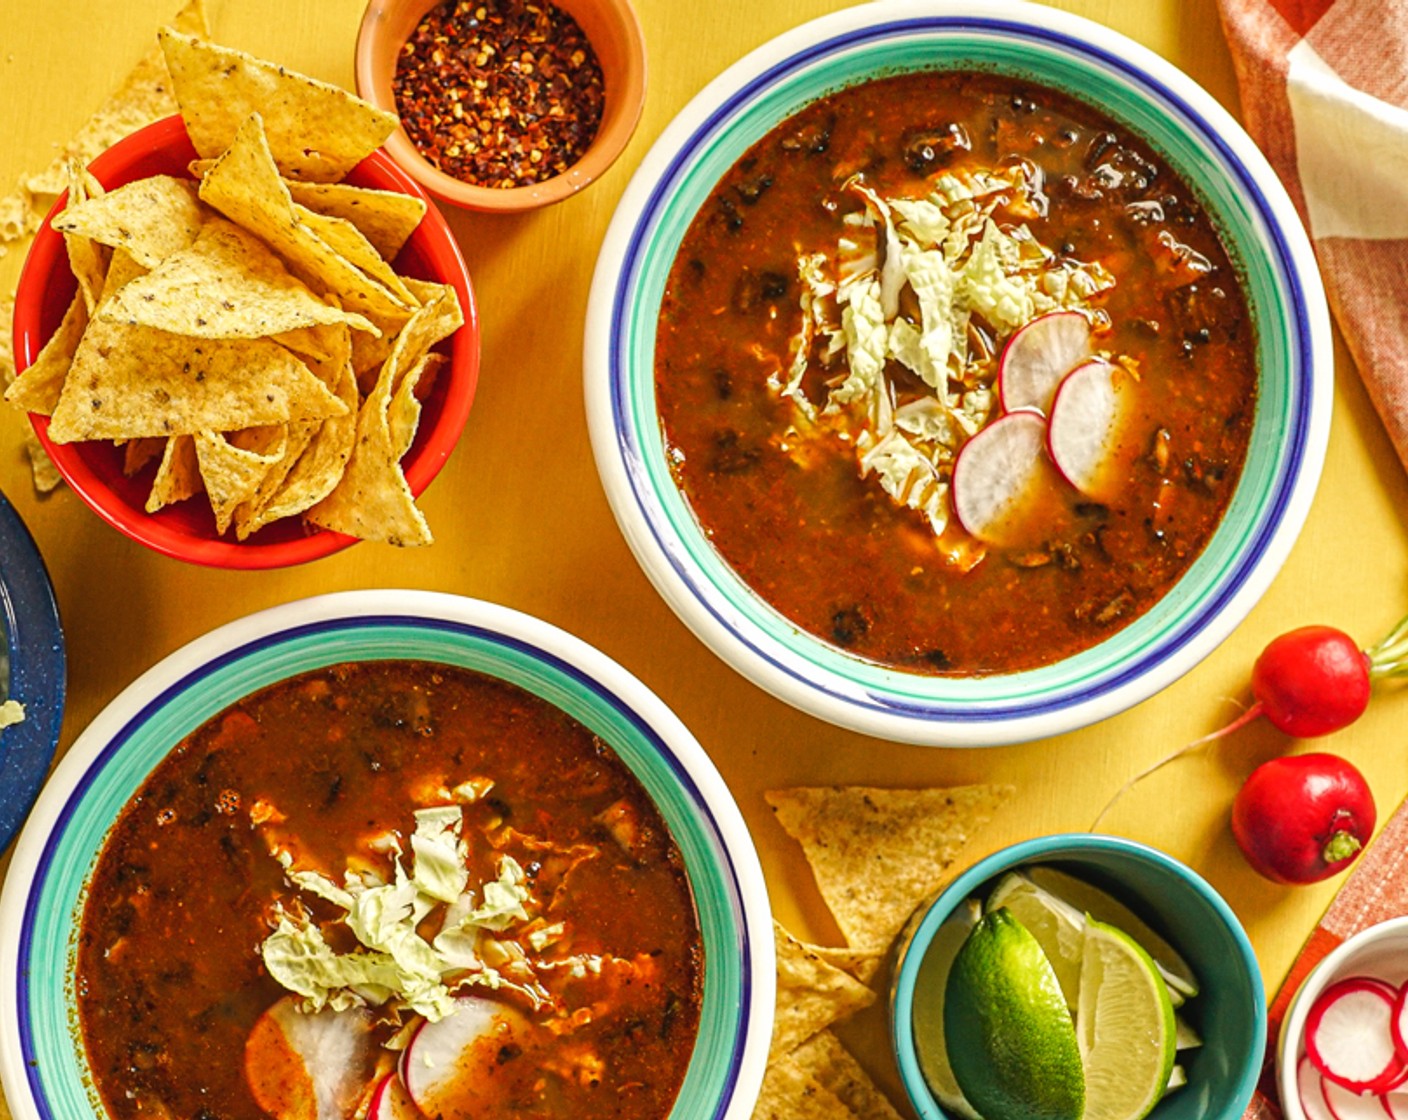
{"points": [[170, 978], [830, 550]]}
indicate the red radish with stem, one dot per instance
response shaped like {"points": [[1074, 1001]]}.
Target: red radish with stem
{"points": [[1303, 818], [1307, 682], [1348, 1039], [1084, 428], [1038, 356], [995, 470]]}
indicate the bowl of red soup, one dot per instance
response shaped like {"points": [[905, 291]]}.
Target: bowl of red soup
{"points": [[959, 373], [391, 854]]}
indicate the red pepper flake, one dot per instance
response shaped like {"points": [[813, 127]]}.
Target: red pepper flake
{"points": [[499, 93]]}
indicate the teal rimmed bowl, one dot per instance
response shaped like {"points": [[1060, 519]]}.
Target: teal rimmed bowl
{"points": [[1229, 1011], [1232, 180], [41, 1060]]}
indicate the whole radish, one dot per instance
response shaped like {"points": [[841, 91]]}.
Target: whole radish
{"points": [[1303, 818]]}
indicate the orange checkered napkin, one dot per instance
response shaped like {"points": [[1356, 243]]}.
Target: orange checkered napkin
{"points": [[1324, 88]]}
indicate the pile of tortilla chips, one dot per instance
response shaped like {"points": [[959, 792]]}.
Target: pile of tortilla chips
{"points": [[877, 854], [244, 329]]}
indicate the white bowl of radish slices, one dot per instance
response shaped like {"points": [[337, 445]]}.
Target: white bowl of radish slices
{"points": [[1343, 1051]]}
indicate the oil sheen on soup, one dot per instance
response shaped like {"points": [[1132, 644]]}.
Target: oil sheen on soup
{"points": [[389, 889], [955, 373]]}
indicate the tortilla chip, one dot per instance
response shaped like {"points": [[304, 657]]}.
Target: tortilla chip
{"points": [[878, 853], [244, 185], [863, 964], [86, 258], [39, 387], [20, 214], [122, 270], [386, 218], [232, 466], [11, 713], [137, 453], [218, 88], [403, 415], [178, 476], [348, 241], [320, 467], [144, 96], [227, 285], [133, 381], [811, 994], [834, 1068], [249, 514], [789, 1093], [150, 218]]}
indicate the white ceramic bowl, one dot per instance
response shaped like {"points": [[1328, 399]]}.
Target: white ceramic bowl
{"points": [[1210, 152], [41, 1062], [1381, 950]]}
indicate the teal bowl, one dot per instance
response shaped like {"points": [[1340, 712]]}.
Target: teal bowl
{"points": [[1229, 1010], [1153, 100], [42, 1063]]}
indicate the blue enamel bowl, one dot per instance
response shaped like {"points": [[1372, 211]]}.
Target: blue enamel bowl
{"points": [[42, 1063], [1229, 1011], [31, 673], [1236, 187]]}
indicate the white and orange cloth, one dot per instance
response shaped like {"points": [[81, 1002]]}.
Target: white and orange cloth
{"points": [[1324, 88]]}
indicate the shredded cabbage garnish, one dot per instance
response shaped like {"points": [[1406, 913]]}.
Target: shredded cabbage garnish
{"points": [[393, 961], [935, 286]]}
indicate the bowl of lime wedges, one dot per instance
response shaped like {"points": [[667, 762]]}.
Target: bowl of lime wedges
{"points": [[1078, 977]]}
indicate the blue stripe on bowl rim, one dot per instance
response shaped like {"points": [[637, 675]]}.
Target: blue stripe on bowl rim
{"points": [[881, 700], [703, 815]]}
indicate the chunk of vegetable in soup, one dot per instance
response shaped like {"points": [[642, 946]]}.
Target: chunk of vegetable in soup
{"points": [[389, 880], [870, 287]]}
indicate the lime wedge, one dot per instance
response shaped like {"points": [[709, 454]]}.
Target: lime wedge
{"points": [[1058, 927], [1010, 1038], [1125, 1026], [1099, 905], [1184, 1036], [929, 987], [1177, 1078]]}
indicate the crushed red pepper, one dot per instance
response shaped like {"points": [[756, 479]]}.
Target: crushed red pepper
{"points": [[499, 93]]}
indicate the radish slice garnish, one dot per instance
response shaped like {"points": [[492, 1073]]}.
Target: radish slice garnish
{"points": [[995, 470], [1085, 424], [1312, 1092], [448, 1067], [1349, 1039], [309, 1066], [1347, 1105], [390, 1101], [1038, 356], [1395, 1105]]}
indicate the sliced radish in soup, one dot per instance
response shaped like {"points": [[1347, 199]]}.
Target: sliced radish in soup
{"points": [[995, 470], [1395, 1104], [1399, 1025], [1348, 1037], [448, 1069], [390, 1101], [1038, 356], [309, 1066], [1085, 425]]}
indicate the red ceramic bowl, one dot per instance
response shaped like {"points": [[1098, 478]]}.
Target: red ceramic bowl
{"points": [[186, 530]]}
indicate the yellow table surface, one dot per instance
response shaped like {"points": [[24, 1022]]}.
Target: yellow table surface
{"points": [[555, 551]]}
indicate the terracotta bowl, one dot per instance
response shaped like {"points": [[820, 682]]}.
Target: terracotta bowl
{"points": [[614, 32]]}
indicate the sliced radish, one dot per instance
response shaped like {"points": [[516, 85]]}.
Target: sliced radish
{"points": [[1312, 1091], [309, 1067], [1086, 422], [995, 470], [1038, 356], [1348, 1037], [448, 1067], [390, 1101], [1400, 1022], [1395, 1104], [1347, 1105]]}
